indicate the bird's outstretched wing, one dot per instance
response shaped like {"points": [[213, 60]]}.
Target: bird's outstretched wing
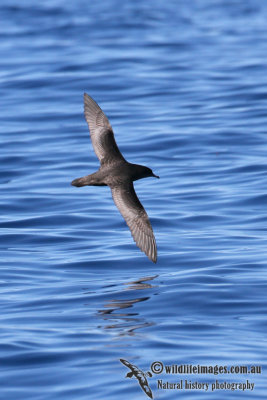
{"points": [[101, 132], [136, 218], [132, 367], [144, 385], [140, 376]]}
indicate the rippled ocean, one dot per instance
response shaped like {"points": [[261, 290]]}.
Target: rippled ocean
{"points": [[184, 84]]}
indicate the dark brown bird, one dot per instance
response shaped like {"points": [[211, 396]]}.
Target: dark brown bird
{"points": [[118, 174]]}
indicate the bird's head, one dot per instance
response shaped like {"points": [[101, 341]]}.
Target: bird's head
{"points": [[149, 173], [145, 172], [129, 375]]}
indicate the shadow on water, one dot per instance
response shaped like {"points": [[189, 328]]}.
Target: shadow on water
{"points": [[127, 323]]}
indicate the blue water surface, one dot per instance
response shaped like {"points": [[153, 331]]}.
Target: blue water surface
{"points": [[184, 84]]}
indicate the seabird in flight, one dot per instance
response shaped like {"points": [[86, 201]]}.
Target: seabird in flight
{"points": [[118, 174]]}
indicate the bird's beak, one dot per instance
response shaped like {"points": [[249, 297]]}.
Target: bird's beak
{"points": [[156, 176]]}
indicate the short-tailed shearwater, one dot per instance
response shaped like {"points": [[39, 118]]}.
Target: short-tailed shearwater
{"points": [[118, 174]]}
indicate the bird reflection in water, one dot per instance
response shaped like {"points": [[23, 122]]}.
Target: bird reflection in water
{"points": [[127, 323]]}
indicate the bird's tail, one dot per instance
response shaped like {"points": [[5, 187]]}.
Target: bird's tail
{"points": [[89, 180], [80, 182]]}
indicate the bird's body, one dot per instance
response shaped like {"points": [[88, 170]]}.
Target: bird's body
{"points": [[118, 174], [107, 175]]}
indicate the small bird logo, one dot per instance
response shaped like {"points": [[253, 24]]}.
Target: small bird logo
{"points": [[139, 375]]}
